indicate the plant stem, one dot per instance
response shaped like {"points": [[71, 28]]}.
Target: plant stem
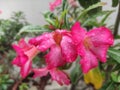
{"points": [[16, 85], [43, 82], [116, 27]]}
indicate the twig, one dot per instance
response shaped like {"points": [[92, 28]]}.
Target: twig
{"points": [[16, 84], [116, 27], [43, 82]]}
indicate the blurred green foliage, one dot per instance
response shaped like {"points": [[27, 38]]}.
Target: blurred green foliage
{"points": [[9, 28]]}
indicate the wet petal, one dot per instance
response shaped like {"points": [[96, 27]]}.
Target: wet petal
{"points": [[59, 76], [40, 72], [100, 36], [43, 42], [54, 58], [20, 60], [17, 49], [100, 52], [78, 33], [81, 49], [16, 61], [68, 49], [25, 69], [88, 62], [23, 45]]}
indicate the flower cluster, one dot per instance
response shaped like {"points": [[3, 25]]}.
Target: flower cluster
{"points": [[62, 47]]}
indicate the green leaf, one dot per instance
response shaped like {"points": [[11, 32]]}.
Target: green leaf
{"points": [[50, 18], [75, 73], [105, 18], [115, 3], [4, 87], [1, 69], [117, 37], [23, 86], [63, 14], [6, 77], [1, 32], [64, 5], [115, 54], [32, 29], [10, 81], [115, 77], [108, 86], [64, 9], [87, 3], [84, 12], [91, 20]]}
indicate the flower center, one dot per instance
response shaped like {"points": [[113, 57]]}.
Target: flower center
{"points": [[57, 37], [87, 43]]}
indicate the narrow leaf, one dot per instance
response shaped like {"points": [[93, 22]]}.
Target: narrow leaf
{"points": [[90, 8], [32, 29], [93, 17], [75, 73], [115, 54]]}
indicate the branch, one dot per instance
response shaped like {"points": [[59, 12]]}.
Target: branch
{"points": [[116, 27]]}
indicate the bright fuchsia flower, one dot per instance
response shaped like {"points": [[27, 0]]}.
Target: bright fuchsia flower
{"points": [[57, 75], [91, 45], [25, 54], [60, 45], [55, 4]]}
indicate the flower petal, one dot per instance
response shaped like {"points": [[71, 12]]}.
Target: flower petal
{"points": [[100, 36], [54, 58], [78, 32], [25, 69], [59, 76], [100, 52], [40, 72], [54, 4], [20, 60], [17, 49], [68, 49], [43, 42], [81, 49], [23, 45], [88, 62], [16, 61]]}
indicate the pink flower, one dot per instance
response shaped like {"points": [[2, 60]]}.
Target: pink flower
{"points": [[25, 54], [73, 3], [56, 75], [60, 45], [54, 4], [91, 45]]}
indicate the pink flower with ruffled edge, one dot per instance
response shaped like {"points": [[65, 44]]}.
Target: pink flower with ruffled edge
{"points": [[60, 45], [91, 45], [55, 4], [25, 54], [56, 74]]}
